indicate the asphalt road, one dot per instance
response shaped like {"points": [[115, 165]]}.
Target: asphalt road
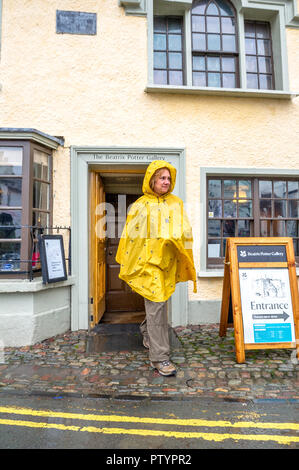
{"points": [[35, 422]]}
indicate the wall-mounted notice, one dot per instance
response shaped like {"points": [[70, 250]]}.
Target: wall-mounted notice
{"points": [[76, 22], [52, 258]]}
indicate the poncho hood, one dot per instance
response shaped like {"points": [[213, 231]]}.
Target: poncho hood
{"points": [[155, 249], [151, 169]]}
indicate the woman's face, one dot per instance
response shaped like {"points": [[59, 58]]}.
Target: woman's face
{"points": [[162, 182]]}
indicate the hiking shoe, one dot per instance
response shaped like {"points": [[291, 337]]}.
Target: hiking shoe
{"points": [[145, 342], [164, 368]]}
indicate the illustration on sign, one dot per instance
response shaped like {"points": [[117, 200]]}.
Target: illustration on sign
{"points": [[266, 305]]}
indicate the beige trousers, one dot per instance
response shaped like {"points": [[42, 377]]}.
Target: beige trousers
{"points": [[155, 329]]}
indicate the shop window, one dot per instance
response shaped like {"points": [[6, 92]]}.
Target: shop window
{"points": [[247, 207], [25, 205]]}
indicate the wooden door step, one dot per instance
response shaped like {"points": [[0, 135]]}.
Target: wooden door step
{"points": [[123, 317]]}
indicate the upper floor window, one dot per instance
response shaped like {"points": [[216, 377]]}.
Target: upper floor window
{"points": [[168, 50], [259, 59], [217, 44], [214, 44]]}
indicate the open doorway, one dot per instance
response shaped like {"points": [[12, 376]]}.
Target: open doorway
{"points": [[112, 300]]}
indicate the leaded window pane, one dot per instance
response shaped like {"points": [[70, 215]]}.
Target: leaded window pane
{"points": [[234, 208], [11, 161], [259, 60], [214, 36], [10, 191], [168, 50], [10, 254]]}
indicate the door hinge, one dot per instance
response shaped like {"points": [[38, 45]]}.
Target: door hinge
{"points": [[91, 317], [91, 300]]}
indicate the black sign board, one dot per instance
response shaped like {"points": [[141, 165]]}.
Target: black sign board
{"points": [[52, 258], [262, 254], [76, 22]]}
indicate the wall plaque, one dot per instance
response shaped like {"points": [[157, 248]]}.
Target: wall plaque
{"points": [[76, 22]]}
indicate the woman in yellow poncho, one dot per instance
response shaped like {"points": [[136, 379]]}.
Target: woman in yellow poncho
{"points": [[154, 253]]}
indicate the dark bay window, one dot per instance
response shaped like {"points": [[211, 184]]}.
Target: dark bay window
{"points": [[248, 207], [168, 50], [11, 204], [25, 204]]}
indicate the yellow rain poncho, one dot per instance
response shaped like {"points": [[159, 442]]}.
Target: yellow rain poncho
{"points": [[155, 249]]}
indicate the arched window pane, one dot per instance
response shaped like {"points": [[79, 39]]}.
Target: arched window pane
{"points": [[228, 25], [212, 9], [229, 80], [175, 60], [214, 80], [214, 42], [199, 42], [214, 36], [228, 43], [214, 64], [199, 79], [213, 24], [174, 42], [174, 25], [198, 24], [199, 7], [199, 63], [228, 64], [225, 9]]}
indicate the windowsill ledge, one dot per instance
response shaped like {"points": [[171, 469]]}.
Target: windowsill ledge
{"points": [[212, 273], [234, 92], [36, 285]]}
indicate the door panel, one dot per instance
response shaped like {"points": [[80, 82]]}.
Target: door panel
{"points": [[97, 244], [119, 296]]}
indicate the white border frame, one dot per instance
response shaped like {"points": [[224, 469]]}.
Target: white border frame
{"points": [[82, 159]]}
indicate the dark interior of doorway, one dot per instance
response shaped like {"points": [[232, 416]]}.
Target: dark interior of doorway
{"points": [[123, 306]]}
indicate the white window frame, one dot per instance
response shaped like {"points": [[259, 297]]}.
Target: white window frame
{"points": [[270, 11]]}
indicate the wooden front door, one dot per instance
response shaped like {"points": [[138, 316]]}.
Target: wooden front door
{"points": [[97, 245], [119, 296]]}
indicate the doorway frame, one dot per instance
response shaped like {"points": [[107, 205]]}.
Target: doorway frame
{"points": [[83, 160]]}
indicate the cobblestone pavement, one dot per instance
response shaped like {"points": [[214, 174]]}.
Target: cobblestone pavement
{"points": [[206, 366]]}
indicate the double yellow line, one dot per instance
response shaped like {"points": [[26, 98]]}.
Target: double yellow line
{"points": [[151, 432]]}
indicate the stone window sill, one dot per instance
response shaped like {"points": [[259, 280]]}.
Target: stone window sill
{"points": [[19, 285], [234, 92]]}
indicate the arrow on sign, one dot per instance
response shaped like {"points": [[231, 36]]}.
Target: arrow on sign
{"points": [[270, 316]]}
